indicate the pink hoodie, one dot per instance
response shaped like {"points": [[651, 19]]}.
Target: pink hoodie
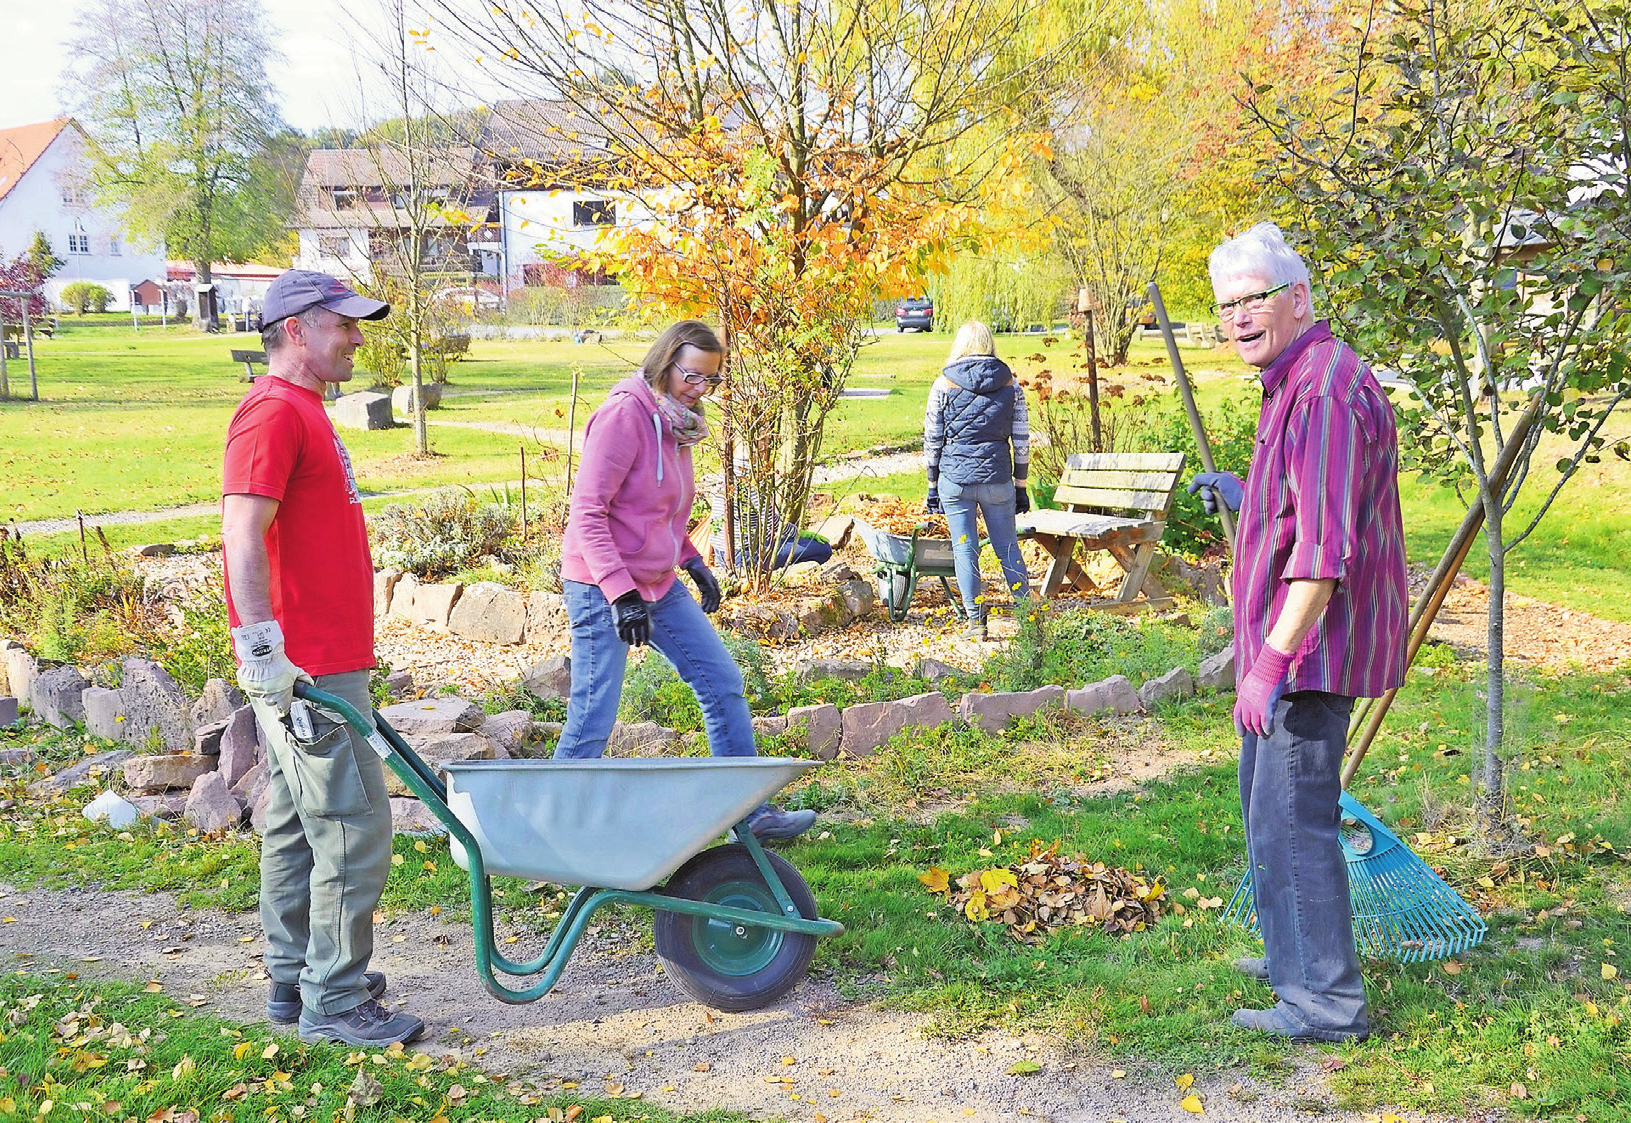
{"points": [[631, 500]]}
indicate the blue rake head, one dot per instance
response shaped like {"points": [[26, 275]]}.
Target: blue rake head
{"points": [[1401, 909]]}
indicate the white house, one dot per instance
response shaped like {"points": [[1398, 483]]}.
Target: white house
{"points": [[44, 172]]}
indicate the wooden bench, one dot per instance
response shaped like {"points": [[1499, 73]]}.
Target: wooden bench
{"points": [[1111, 501], [250, 360]]}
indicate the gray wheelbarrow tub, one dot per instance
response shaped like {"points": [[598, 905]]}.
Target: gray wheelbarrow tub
{"points": [[613, 824]]}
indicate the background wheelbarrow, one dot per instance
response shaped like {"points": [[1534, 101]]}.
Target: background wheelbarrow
{"points": [[735, 925], [903, 560]]}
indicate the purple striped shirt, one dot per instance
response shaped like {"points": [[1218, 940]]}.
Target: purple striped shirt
{"points": [[1322, 501]]}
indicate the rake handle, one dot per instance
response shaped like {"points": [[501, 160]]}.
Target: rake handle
{"points": [[1187, 392]]}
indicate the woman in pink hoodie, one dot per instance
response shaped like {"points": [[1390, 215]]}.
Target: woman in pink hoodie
{"points": [[625, 536]]}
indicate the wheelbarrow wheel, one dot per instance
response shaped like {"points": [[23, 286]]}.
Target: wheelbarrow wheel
{"points": [[726, 965], [895, 589]]}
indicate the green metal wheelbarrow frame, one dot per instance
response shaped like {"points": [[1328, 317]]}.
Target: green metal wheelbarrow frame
{"points": [[588, 900], [899, 570]]}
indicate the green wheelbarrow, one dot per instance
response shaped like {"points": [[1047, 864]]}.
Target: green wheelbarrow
{"points": [[735, 925], [902, 561]]}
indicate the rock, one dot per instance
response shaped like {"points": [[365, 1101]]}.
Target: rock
{"points": [[57, 696], [157, 714], [404, 402], [113, 809], [840, 571], [168, 806], [218, 702], [8, 710], [211, 807], [240, 745], [835, 529], [259, 800], [163, 772], [1175, 684], [641, 738], [993, 711], [250, 781], [760, 621], [1203, 582], [510, 730], [823, 726], [363, 410], [802, 574], [434, 717], [385, 581], [1114, 693], [845, 670], [489, 612], [870, 724], [91, 768], [410, 816], [859, 597], [207, 738], [156, 550], [16, 756], [403, 594], [105, 713], [546, 619], [21, 669], [549, 679], [399, 682], [432, 604], [773, 725], [1217, 672], [934, 671], [439, 749]]}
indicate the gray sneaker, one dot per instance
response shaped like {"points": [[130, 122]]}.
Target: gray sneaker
{"points": [[1253, 967], [771, 822], [367, 1024], [283, 1003]]}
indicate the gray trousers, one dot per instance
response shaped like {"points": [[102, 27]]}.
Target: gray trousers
{"points": [[324, 853], [1290, 782]]}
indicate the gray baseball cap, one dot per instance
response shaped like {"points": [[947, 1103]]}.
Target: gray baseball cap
{"points": [[295, 290]]}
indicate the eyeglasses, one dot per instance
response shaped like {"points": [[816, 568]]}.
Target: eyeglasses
{"points": [[1252, 302], [697, 378]]}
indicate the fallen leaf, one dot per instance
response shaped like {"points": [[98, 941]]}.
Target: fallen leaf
{"points": [[1192, 1104], [153, 987], [1184, 1080], [1119, 1074], [1023, 1068], [1608, 971], [1451, 967], [1519, 1092], [936, 879]]}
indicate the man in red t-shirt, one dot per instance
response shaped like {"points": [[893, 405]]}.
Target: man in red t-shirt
{"points": [[300, 600]]}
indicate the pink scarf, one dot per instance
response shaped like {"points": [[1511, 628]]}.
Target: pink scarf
{"points": [[685, 422]]}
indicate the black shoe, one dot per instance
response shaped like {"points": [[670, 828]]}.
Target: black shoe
{"points": [[771, 822], [283, 1004], [367, 1024]]}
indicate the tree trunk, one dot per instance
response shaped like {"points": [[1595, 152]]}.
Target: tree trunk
{"points": [[202, 280], [416, 340], [1491, 783]]}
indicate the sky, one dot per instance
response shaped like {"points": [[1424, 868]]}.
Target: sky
{"points": [[311, 66]]}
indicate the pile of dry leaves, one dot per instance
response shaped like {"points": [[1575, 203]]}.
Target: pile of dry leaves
{"points": [[1046, 892], [896, 516]]}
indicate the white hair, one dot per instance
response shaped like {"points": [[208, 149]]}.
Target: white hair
{"points": [[1261, 251]]}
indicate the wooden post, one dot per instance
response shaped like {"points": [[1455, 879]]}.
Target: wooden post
{"points": [[571, 430], [84, 553], [523, 495], [1093, 386]]}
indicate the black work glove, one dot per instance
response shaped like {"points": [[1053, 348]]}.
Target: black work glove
{"points": [[631, 616], [932, 503], [1022, 500], [707, 586]]}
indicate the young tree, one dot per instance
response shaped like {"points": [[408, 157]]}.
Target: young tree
{"points": [[42, 257], [798, 160], [175, 96], [1468, 209]]}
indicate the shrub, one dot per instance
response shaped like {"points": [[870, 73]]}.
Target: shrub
{"points": [[1073, 646], [85, 296], [447, 532], [198, 646], [72, 611], [654, 691]]}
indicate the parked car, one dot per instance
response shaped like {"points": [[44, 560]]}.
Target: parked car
{"points": [[915, 312]]}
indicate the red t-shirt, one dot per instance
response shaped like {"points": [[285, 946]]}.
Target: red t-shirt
{"points": [[281, 444]]}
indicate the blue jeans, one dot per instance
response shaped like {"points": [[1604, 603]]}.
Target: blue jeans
{"points": [[792, 551], [685, 636], [1290, 782], [995, 502]]}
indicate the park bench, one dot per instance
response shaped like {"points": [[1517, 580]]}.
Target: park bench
{"points": [[1111, 501], [250, 360]]}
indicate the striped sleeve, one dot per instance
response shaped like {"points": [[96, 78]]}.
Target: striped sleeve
{"points": [[1022, 436], [1325, 461], [934, 431]]}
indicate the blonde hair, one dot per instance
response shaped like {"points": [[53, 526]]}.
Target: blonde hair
{"points": [[685, 333], [973, 338]]}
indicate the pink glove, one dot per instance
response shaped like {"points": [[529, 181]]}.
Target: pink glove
{"points": [[1258, 692]]}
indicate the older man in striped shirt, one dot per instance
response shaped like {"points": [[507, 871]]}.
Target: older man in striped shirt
{"points": [[1319, 606]]}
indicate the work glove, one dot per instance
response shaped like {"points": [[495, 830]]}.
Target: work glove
{"points": [[1218, 485], [264, 670], [1022, 501], [707, 587], [1259, 692], [631, 616], [932, 503]]}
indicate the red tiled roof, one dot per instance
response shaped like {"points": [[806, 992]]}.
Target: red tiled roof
{"points": [[21, 146], [245, 271]]}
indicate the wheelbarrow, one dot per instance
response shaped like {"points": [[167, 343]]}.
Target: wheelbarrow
{"points": [[903, 560], [735, 925]]}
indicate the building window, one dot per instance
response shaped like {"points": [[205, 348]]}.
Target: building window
{"points": [[334, 247], [594, 212], [79, 243], [113, 245], [342, 198]]}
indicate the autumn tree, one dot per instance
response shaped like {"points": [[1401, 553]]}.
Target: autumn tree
{"points": [[175, 97], [797, 160], [1468, 209]]}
